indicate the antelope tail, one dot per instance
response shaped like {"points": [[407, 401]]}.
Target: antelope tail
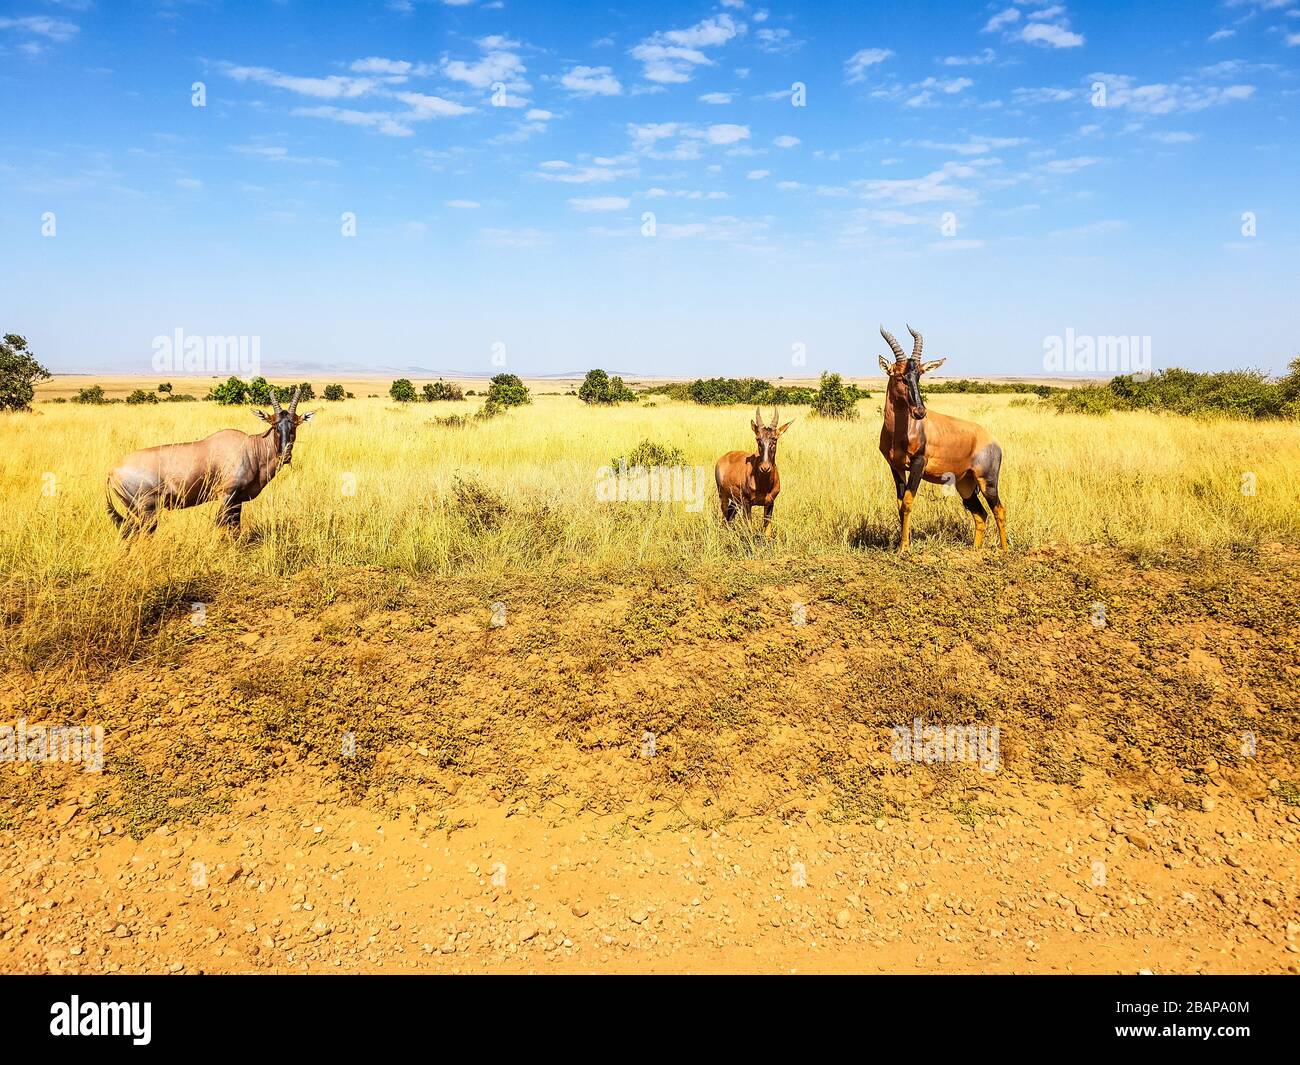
{"points": [[108, 505]]}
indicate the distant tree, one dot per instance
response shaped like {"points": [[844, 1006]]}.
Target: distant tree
{"points": [[334, 393], [403, 391], [442, 390], [141, 396], [166, 386], [18, 369], [233, 392], [93, 396], [508, 391]]}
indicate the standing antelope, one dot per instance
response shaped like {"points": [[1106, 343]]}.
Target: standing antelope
{"points": [[935, 447], [746, 481], [228, 466]]}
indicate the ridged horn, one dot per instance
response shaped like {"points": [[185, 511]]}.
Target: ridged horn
{"points": [[894, 345], [919, 342], [275, 403], [293, 403]]}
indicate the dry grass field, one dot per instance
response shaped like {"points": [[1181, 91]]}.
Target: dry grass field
{"points": [[669, 749]]}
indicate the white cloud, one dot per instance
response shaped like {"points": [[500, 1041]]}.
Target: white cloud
{"points": [[1159, 98], [725, 133], [671, 56], [1174, 137], [600, 203], [378, 65], [279, 154], [1006, 17], [528, 237], [536, 114], [464, 205], [785, 141], [333, 87], [1053, 35], [498, 64], [59, 30], [592, 81], [568, 174], [1221, 35], [758, 175], [856, 66], [716, 98]]}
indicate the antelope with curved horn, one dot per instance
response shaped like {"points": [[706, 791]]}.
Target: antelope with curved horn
{"points": [[925, 445], [746, 481], [229, 466]]}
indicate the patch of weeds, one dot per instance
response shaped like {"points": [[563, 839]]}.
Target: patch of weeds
{"points": [[650, 453], [1289, 792], [482, 509], [149, 800], [648, 625], [858, 797], [968, 812]]}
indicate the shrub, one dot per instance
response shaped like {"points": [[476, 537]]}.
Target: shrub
{"points": [[508, 391], [18, 369], [230, 392], [440, 390], [1236, 393], [180, 397], [166, 386], [650, 453], [141, 396], [403, 391], [833, 400], [599, 387], [482, 508], [94, 396], [334, 393]]}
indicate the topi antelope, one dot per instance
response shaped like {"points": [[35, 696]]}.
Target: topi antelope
{"points": [[934, 447], [747, 481], [229, 466]]}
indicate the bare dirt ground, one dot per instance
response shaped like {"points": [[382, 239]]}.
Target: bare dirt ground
{"points": [[355, 773]]}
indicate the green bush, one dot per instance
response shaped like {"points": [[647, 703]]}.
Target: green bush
{"points": [[507, 390], [1249, 394], [749, 391], [18, 369], [93, 396], [403, 391], [650, 453], [334, 393], [166, 386], [599, 387], [442, 390], [141, 396], [834, 400], [231, 392]]}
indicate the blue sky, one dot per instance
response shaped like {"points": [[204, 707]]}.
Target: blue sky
{"points": [[952, 165]]}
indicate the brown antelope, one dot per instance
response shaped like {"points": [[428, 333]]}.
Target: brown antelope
{"points": [[934, 447], [746, 481], [229, 466]]}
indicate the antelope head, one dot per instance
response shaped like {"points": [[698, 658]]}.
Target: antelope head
{"points": [[284, 423], [766, 437], [905, 372]]}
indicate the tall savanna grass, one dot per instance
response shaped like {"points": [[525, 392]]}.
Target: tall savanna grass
{"points": [[378, 485]]}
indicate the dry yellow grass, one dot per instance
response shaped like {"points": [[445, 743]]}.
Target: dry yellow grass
{"points": [[374, 485]]}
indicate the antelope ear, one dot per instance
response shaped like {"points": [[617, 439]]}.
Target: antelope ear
{"points": [[888, 368], [754, 426], [264, 416], [785, 427], [926, 367], [307, 417]]}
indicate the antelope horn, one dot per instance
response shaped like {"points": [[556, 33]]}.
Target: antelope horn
{"points": [[776, 416], [758, 416], [896, 347], [275, 403], [293, 403], [920, 342]]}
